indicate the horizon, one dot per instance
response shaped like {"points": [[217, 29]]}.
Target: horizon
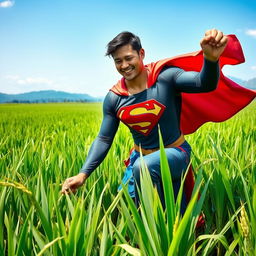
{"points": [[100, 96], [52, 90], [54, 45]]}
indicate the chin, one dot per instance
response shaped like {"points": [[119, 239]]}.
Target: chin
{"points": [[131, 77]]}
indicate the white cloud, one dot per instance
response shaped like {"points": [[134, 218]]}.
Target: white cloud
{"points": [[19, 84], [12, 77], [29, 80], [251, 32], [253, 67], [34, 80], [7, 3]]}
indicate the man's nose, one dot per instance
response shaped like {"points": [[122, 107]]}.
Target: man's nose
{"points": [[124, 65]]}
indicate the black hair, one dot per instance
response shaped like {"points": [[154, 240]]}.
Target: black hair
{"points": [[122, 39]]}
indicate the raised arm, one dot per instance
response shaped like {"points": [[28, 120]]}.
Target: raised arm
{"points": [[99, 147], [195, 82], [212, 44]]}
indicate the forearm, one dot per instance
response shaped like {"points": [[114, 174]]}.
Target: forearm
{"points": [[96, 155], [209, 76]]}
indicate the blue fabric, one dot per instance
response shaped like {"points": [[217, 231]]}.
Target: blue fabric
{"points": [[128, 176], [178, 161], [167, 92]]}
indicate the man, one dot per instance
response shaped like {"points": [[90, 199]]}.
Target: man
{"points": [[145, 100]]}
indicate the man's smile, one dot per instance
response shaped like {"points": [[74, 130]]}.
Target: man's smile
{"points": [[128, 71]]}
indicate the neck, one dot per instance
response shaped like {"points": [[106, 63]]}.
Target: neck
{"points": [[139, 83]]}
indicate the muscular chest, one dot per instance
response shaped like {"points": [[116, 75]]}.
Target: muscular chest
{"points": [[143, 111]]}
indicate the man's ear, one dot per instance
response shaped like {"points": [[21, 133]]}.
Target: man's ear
{"points": [[142, 53]]}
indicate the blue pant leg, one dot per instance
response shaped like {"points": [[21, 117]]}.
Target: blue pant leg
{"points": [[178, 161]]}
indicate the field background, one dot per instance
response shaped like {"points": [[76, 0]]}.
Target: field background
{"points": [[43, 144]]}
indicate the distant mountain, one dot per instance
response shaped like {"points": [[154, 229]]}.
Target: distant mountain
{"points": [[250, 84], [59, 96], [46, 96]]}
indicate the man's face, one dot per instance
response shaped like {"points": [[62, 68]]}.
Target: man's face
{"points": [[128, 62]]}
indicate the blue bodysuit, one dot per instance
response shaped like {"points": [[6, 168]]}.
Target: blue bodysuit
{"points": [[159, 105]]}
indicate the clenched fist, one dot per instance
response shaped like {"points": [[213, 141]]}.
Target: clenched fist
{"points": [[213, 44]]}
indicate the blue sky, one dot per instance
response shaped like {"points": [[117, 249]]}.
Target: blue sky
{"points": [[60, 44]]}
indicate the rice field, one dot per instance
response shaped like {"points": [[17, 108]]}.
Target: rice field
{"points": [[43, 144]]}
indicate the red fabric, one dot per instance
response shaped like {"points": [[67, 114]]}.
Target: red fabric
{"points": [[137, 116], [199, 108], [189, 183], [127, 161]]}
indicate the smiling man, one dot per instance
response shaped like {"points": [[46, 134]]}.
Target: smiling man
{"points": [[148, 97], [129, 63]]}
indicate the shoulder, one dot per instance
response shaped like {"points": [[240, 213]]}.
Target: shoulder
{"points": [[111, 97], [168, 73], [110, 102]]}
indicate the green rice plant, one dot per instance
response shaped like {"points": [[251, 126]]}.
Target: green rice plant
{"points": [[42, 144], [156, 236], [247, 222]]}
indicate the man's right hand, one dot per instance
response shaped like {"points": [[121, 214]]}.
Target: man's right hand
{"points": [[73, 183]]}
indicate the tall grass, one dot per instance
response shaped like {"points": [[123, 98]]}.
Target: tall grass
{"points": [[43, 144]]}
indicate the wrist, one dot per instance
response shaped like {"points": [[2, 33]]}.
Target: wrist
{"points": [[83, 176], [211, 58]]}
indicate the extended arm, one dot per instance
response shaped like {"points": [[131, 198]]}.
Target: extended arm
{"points": [[99, 148], [103, 141]]}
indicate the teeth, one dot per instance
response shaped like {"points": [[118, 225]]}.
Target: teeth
{"points": [[128, 70]]}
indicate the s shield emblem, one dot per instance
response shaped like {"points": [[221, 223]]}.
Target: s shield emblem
{"points": [[143, 116]]}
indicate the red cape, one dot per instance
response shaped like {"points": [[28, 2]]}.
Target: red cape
{"points": [[199, 108]]}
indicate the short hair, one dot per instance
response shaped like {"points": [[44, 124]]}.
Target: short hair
{"points": [[122, 39]]}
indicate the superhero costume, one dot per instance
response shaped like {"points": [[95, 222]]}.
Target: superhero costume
{"points": [[141, 112], [167, 102]]}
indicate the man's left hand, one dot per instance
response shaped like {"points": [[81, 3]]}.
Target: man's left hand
{"points": [[213, 44]]}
